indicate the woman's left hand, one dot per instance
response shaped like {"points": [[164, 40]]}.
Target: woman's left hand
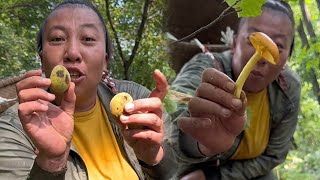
{"points": [[144, 125]]}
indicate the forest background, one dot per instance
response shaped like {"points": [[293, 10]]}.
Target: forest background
{"points": [[140, 47]]}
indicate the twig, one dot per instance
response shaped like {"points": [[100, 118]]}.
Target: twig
{"points": [[114, 31], [223, 14], [140, 31], [179, 96]]}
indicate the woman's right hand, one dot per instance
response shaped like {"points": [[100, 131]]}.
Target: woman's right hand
{"points": [[49, 126], [217, 117]]}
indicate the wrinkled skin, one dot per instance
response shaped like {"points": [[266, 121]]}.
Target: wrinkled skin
{"points": [[215, 112], [74, 38]]}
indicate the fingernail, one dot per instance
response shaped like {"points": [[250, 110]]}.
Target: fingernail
{"points": [[129, 107], [44, 107], [229, 86], [206, 123], [226, 112], [51, 96], [236, 103], [45, 80], [124, 118]]}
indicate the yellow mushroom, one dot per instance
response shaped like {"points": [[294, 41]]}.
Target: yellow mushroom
{"points": [[118, 102], [60, 79], [265, 48]]}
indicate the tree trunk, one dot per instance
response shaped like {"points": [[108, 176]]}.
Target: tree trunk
{"points": [[126, 62], [318, 4], [311, 74], [306, 19], [302, 34]]}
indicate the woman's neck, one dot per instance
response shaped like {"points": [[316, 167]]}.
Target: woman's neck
{"points": [[85, 104]]}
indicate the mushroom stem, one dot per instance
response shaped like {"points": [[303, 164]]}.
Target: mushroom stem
{"points": [[246, 71]]}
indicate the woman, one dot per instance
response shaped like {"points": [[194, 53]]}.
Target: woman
{"points": [[271, 91], [73, 135]]}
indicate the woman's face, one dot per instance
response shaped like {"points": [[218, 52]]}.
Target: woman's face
{"points": [[74, 38], [279, 28]]}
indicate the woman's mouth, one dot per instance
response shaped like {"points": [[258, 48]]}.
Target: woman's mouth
{"points": [[257, 74], [76, 75]]}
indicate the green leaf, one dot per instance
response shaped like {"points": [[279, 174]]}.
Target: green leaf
{"points": [[169, 105], [247, 8]]}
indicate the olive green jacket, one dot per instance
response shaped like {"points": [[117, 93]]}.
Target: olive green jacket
{"points": [[17, 151], [284, 98]]}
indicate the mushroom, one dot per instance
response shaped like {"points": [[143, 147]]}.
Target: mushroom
{"points": [[265, 48]]}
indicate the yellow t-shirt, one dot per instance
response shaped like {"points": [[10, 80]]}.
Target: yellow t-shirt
{"points": [[95, 142], [256, 136]]}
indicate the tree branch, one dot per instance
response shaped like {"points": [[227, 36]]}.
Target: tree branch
{"points": [[312, 73], [140, 31], [223, 14], [17, 6], [118, 45], [306, 19], [303, 35]]}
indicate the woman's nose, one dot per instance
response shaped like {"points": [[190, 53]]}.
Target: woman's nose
{"points": [[72, 51]]}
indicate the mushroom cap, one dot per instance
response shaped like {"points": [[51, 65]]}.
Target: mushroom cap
{"points": [[264, 43]]}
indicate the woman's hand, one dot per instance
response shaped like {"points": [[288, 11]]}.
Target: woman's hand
{"points": [[145, 115], [217, 117], [49, 127]]}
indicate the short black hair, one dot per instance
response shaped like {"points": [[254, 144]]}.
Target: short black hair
{"points": [[80, 3], [280, 6]]}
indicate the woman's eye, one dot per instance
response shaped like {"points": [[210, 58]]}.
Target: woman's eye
{"points": [[280, 46], [56, 39], [88, 39]]}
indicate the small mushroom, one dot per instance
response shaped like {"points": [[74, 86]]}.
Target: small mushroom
{"points": [[265, 48]]}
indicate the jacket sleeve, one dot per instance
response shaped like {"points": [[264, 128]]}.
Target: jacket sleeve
{"points": [[280, 141], [17, 151], [187, 81]]}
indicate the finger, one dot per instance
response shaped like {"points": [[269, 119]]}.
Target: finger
{"points": [[200, 130], [218, 79], [161, 89], [188, 124], [37, 72], [202, 106], [146, 135], [34, 94], [145, 105], [33, 79], [147, 120], [28, 108], [219, 96], [69, 100]]}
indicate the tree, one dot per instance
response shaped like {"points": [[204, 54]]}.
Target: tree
{"points": [[19, 23], [136, 28], [302, 161]]}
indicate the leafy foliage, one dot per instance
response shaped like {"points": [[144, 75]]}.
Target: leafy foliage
{"points": [[247, 8], [303, 160], [126, 16], [19, 23]]}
